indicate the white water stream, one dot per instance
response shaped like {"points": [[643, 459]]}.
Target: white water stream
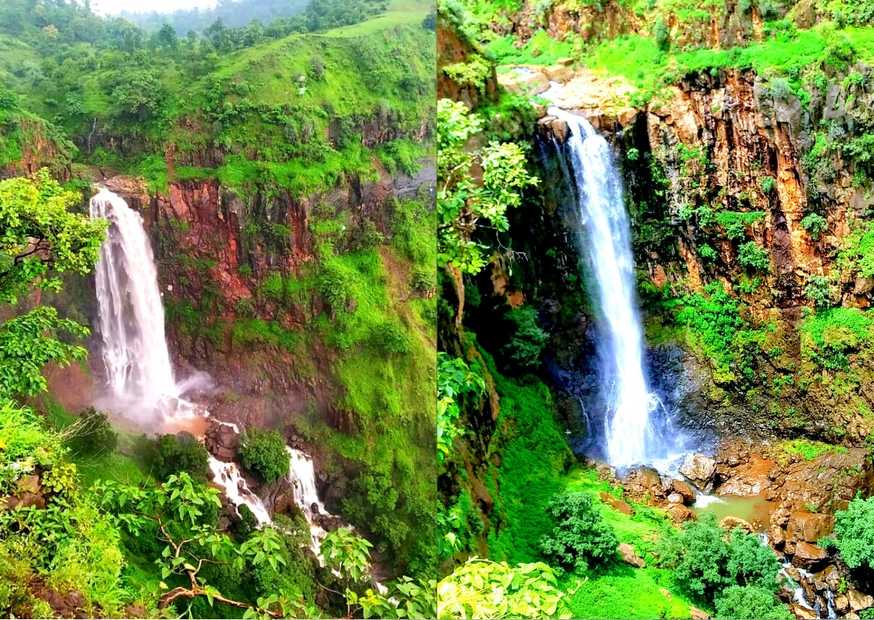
{"points": [[630, 436], [139, 374]]}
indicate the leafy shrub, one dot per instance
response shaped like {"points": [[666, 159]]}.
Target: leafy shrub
{"points": [[580, 539], [484, 589], [735, 223], [335, 286], [662, 34], [752, 256], [172, 454], [456, 383], [819, 290], [829, 336], [706, 561], [750, 603], [706, 252], [390, 337], [263, 453], [767, 184], [348, 553], [854, 533], [814, 224], [522, 350], [91, 434]]}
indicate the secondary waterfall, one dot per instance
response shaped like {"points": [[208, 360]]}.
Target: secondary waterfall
{"points": [[630, 436], [138, 369], [302, 476]]}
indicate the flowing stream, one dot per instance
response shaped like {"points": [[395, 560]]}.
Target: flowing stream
{"points": [[139, 374], [605, 234]]}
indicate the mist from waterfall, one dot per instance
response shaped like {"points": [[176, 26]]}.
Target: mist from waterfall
{"points": [[605, 236]]}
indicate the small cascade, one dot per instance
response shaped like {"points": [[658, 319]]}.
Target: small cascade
{"points": [[302, 476], [228, 476]]}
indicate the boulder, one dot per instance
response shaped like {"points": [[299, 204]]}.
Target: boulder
{"points": [[809, 526], [629, 556], [644, 483], [807, 555], [777, 536], [842, 603], [803, 613], [222, 440], [680, 513], [675, 498], [859, 600], [685, 490], [697, 614], [828, 578], [616, 503], [559, 73], [699, 469], [732, 523]]}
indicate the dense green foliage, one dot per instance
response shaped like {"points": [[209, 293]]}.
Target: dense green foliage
{"points": [[580, 539], [264, 454], [92, 434], [750, 603], [485, 589], [854, 533], [706, 561], [174, 454]]}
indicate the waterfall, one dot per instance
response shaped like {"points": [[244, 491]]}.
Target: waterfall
{"points": [[139, 374], [302, 476], [135, 356], [605, 233]]}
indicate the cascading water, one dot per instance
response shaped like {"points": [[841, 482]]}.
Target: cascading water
{"points": [[138, 369], [630, 433], [302, 476], [139, 374]]}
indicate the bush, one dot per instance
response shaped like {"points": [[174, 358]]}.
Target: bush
{"points": [[390, 337], [750, 603], [854, 533], [706, 563], [819, 291], [522, 351], [662, 34], [172, 454], [580, 539], [263, 453], [91, 434], [750, 255], [814, 224]]}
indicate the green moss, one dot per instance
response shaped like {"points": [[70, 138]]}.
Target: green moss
{"points": [[806, 449], [829, 336]]}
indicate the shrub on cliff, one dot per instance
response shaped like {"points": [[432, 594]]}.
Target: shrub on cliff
{"points": [[263, 453], [522, 350], [750, 603], [854, 533], [580, 538], [172, 454]]}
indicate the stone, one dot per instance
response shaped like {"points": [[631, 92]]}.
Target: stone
{"points": [[809, 526], [679, 513], [565, 62], [699, 469], [859, 600], [807, 555], [732, 523], [842, 603], [828, 578], [629, 556], [29, 484], [559, 73], [524, 81], [675, 498], [803, 613], [777, 536], [616, 503], [697, 614], [684, 489], [644, 483]]}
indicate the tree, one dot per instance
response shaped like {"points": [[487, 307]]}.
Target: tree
{"points": [[181, 514], [464, 203], [166, 38], [484, 589], [750, 603], [40, 240]]}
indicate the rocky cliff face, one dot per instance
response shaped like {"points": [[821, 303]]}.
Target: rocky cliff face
{"points": [[727, 166]]}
